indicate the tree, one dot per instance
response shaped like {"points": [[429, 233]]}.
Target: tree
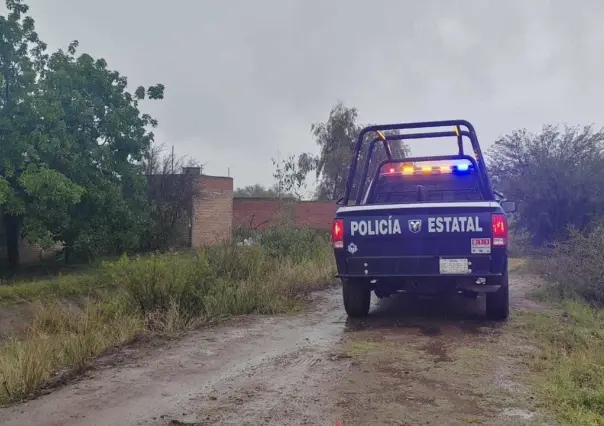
{"points": [[291, 174], [171, 194], [336, 138], [29, 131], [72, 138], [557, 176], [258, 190]]}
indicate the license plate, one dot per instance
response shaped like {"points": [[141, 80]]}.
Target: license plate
{"points": [[454, 266]]}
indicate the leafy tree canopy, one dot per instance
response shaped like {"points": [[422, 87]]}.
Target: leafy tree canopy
{"points": [[335, 138], [72, 136], [556, 176], [258, 191]]}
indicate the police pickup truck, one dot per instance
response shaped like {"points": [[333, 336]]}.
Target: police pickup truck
{"points": [[422, 225]]}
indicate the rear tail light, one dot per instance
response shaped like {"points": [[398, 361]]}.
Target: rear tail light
{"points": [[500, 230], [337, 234]]}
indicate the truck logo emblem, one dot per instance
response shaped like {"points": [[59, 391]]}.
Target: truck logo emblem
{"points": [[415, 225], [352, 248]]}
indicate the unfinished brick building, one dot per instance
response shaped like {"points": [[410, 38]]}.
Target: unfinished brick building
{"points": [[214, 215]]}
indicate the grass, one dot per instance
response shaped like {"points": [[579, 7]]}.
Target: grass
{"points": [[91, 282], [569, 370], [166, 293]]}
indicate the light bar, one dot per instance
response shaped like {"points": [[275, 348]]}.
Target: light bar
{"points": [[406, 169]]}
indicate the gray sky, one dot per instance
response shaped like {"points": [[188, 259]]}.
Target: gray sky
{"points": [[245, 79]]}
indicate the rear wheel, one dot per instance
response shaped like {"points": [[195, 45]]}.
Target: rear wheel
{"points": [[498, 303], [357, 297]]}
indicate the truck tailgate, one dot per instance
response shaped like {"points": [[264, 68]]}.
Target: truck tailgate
{"points": [[412, 239]]}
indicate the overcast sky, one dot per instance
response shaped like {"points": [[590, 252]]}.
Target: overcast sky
{"points": [[245, 79]]}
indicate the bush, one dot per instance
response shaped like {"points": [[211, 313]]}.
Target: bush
{"points": [[557, 176], [295, 244], [157, 282], [576, 266]]}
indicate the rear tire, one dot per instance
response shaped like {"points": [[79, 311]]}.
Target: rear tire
{"points": [[357, 297], [498, 303]]}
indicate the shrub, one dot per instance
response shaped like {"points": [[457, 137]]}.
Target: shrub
{"points": [[576, 266], [158, 282], [556, 175], [236, 263], [295, 244]]}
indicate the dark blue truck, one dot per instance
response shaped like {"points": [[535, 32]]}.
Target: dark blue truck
{"points": [[422, 225]]}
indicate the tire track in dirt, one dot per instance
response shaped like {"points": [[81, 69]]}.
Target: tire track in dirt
{"points": [[432, 362]]}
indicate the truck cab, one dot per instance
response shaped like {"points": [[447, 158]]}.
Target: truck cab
{"points": [[422, 225]]}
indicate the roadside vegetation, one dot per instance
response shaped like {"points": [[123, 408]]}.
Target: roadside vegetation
{"points": [[155, 294], [81, 169], [557, 177], [81, 172]]}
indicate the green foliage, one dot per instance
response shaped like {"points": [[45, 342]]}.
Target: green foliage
{"points": [[291, 174], [569, 373], [156, 282], [555, 176], [73, 136], [576, 266], [167, 293], [258, 191], [296, 244], [336, 138]]}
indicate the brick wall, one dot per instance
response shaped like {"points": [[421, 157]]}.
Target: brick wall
{"points": [[263, 212], [216, 213], [212, 211]]}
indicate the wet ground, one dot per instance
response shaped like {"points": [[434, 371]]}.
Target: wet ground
{"points": [[412, 362]]}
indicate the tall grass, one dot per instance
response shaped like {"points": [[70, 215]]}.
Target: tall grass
{"points": [[158, 294], [570, 367]]}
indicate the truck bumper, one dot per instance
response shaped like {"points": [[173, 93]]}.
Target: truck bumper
{"points": [[409, 267]]}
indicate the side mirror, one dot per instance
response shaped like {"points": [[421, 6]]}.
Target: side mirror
{"points": [[508, 206], [339, 202]]}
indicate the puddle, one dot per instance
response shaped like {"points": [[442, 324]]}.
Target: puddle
{"points": [[516, 412]]}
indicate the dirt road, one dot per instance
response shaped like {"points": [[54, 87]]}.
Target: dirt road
{"points": [[410, 363]]}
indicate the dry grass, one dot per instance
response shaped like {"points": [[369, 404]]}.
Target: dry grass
{"points": [[59, 339], [167, 293]]}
